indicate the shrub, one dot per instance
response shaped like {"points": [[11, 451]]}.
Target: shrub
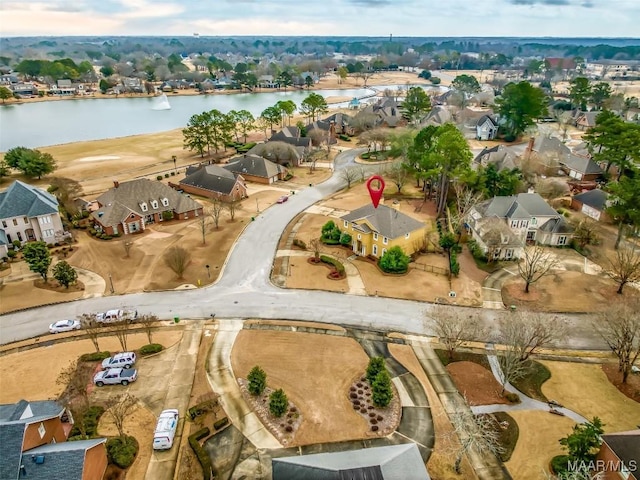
{"points": [[336, 264], [173, 174], [512, 397], [201, 453], [159, 177], [476, 251], [455, 266], [560, 464], [394, 260], [122, 451], [330, 232], [435, 80], [278, 403], [382, 393], [345, 238], [376, 365], [167, 215], [150, 349], [90, 422], [220, 423], [365, 156], [345, 138], [299, 243], [94, 357], [257, 381], [11, 254]]}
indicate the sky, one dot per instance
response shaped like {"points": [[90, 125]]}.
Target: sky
{"points": [[423, 18]]}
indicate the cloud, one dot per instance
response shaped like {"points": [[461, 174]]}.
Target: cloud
{"points": [[370, 3], [540, 2]]}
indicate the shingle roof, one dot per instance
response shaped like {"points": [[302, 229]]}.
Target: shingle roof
{"points": [[584, 165], [61, 460], [550, 145], [254, 165], [11, 435], [212, 178], [494, 231], [501, 156], [556, 225], [488, 118], [387, 221], [390, 462], [523, 205], [626, 445], [119, 202], [25, 200], [595, 198]]}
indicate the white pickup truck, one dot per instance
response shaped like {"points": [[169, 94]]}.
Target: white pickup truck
{"points": [[117, 315], [115, 376]]}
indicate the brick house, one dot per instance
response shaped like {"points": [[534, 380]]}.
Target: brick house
{"points": [[34, 443], [619, 456], [213, 181], [255, 168], [129, 207], [592, 203]]}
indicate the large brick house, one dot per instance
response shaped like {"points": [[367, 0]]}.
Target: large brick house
{"points": [[129, 207], [213, 181], [255, 168], [619, 456], [375, 230], [33, 436], [28, 214]]}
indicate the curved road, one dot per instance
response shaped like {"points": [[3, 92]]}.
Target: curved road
{"points": [[244, 290]]}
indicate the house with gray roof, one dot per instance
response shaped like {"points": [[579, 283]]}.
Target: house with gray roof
{"points": [[213, 181], [255, 168], [593, 203], [439, 115], [503, 157], [375, 230], [391, 462], [581, 168], [527, 215], [486, 128], [33, 436], [129, 207], [29, 214], [619, 456]]}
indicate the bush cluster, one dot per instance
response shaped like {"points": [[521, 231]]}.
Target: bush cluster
{"points": [[150, 349], [122, 451], [476, 251], [244, 147], [201, 453], [299, 243], [336, 264], [94, 357], [220, 423], [345, 138], [102, 235], [90, 421], [330, 233], [394, 260]]}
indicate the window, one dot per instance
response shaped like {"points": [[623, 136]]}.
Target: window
{"points": [[514, 224], [165, 202], [19, 236], [144, 207], [375, 236], [534, 221], [359, 237], [562, 240], [154, 204], [41, 430], [406, 235], [47, 233], [508, 254], [44, 220], [524, 224], [4, 224], [384, 250], [25, 220], [15, 222], [346, 224], [375, 250], [385, 240]]}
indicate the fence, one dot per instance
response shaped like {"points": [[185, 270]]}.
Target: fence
{"points": [[430, 268]]}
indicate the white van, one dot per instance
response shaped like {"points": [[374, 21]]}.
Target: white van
{"points": [[165, 430]]}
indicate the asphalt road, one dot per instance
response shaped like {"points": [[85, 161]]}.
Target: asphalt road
{"points": [[244, 290]]}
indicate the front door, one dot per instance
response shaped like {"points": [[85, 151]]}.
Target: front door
{"points": [[531, 236]]}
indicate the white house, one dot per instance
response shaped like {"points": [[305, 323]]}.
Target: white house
{"points": [[486, 128], [29, 214]]}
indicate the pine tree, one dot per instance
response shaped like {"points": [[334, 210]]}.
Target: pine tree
{"points": [[382, 393], [257, 381], [278, 403]]}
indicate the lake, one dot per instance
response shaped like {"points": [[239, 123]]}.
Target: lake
{"points": [[41, 124]]}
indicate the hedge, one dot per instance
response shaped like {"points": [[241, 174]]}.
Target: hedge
{"points": [[122, 450], [201, 453], [338, 266], [94, 357], [150, 349], [220, 423], [345, 138]]}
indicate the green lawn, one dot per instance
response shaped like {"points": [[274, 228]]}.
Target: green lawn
{"points": [[508, 434]]}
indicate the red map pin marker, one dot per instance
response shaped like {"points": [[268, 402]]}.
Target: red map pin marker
{"points": [[375, 193]]}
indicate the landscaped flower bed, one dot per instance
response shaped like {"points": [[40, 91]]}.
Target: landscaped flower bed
{"points": [[382, 421]]}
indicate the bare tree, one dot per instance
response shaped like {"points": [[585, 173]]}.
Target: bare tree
{"points": [[478, 433], [619, 326], [625, 267], [121, 332], [127, 244], [586, 232], [203, 224], [525, 332], [215, 210], [119, 408], [349, 175], [232, 207], [66, 191], [177, 259], [453, 327], [315, 245], [535, 264], [466, 199], [75, 378], [148, 323], [91, 327], [511, 367], [398, 175], [317, 136]]}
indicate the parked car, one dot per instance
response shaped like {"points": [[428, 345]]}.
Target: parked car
{"points": [[165, 430], [64, 326], [120, 360], [117, 315], [282, 199], [115, 376]]}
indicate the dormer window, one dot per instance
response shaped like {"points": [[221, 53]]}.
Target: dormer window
{"points": [[154, 204], [144, 206], [165, 202]]}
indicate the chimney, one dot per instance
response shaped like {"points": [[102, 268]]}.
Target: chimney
{"points": [[116, 183]]}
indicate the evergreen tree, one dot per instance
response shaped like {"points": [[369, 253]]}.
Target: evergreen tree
{"points": [[37, 256], [257, 379], [376, 365], [65, 273], [381, 391], [278, 403]]}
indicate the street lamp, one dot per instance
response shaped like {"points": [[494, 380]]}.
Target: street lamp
{"points": [[208, 272]]}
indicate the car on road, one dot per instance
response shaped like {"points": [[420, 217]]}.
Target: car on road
{"points": [[117, 315], [119, 360], [115, 376], [282, 199], [64, 326], [165, 429]]}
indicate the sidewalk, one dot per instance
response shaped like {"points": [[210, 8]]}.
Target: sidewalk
{"points": [[163, 463]]}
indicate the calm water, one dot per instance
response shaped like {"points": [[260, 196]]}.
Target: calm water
{"points": [[51, 123]]}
